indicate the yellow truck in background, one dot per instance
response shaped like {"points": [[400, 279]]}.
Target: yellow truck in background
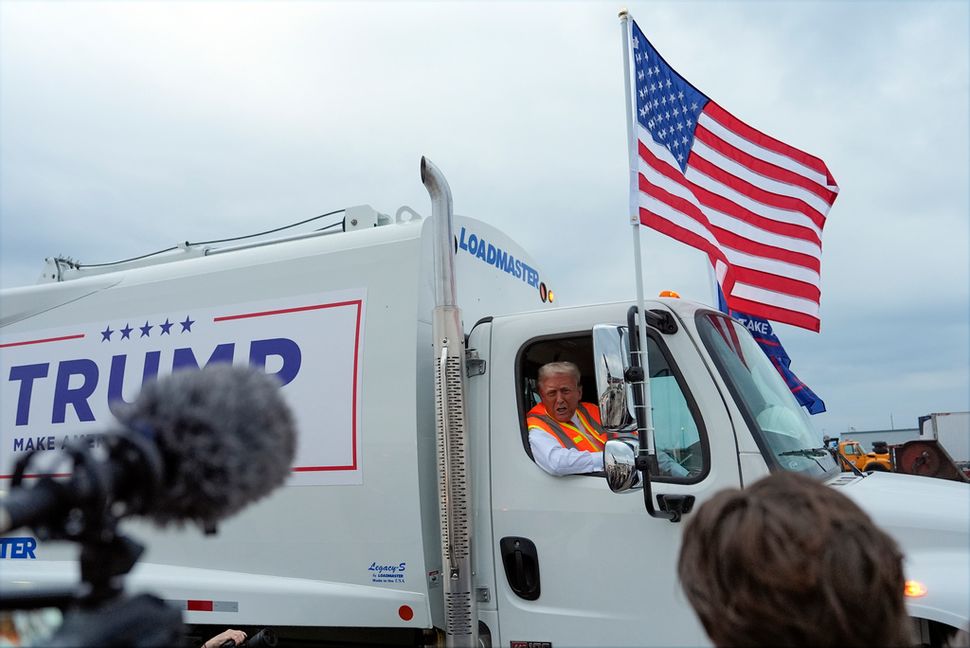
{"points": [[853, 453]]}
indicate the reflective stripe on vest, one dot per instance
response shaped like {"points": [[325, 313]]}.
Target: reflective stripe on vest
{"points": [[589, 437]]}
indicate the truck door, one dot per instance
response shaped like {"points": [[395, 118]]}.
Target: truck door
{"points": [[578, 565]]}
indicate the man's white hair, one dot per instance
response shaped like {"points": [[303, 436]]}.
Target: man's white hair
{"points": [[556, 368]]}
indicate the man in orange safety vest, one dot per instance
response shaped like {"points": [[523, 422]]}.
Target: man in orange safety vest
{"points": [[565, 434]]}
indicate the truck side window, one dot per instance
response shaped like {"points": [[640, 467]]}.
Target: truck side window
{"points": [[576, 348], [676, 431]]}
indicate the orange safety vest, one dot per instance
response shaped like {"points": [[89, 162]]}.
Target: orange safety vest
{"points": [[589, 437]]}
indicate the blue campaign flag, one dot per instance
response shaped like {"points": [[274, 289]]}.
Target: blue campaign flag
{"points": [[765, 337]]}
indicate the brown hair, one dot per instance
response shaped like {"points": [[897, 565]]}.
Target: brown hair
{"points": [[792, 562]]}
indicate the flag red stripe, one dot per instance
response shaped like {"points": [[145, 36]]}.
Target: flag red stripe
{"points": [[775, 283], [662, 167], [678, 203], [754, 248], [774, 313], [755, 193], [724, 205], [731, 208], [759, 278], [723, 236], [664, 226], [761, 167], [732, 123]]}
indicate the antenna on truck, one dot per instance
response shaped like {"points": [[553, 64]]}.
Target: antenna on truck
{"points": [[454, 485]]}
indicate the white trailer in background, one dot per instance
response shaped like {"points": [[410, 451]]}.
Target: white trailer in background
{"points": [[952, 431], [395, 528]]}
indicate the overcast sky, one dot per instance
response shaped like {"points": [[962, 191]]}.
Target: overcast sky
{"points": [[126, 127]]}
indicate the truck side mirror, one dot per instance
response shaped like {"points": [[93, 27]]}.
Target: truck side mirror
{"points": [[619, 464], [610, 350]]}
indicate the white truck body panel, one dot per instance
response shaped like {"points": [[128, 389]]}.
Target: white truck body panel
{"points": [[295, 533], [901, 505]]}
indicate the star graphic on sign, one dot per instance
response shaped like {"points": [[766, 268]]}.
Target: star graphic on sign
{"points": [[187, 324], [145, 329], [106, 333], [165, 327], [126, 332]]}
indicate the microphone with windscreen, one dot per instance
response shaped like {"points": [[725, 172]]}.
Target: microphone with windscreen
{"points": [[195, 447]]}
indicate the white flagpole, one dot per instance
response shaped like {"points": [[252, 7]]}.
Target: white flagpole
{"points": [[635, 223], [715, 284]]}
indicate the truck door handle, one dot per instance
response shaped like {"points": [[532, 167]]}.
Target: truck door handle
{"points": [[521, 562]]}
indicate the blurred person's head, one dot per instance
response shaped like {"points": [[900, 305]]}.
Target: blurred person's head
{"points": [[792, 562]]}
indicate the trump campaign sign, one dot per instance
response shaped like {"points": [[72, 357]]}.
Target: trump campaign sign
{"points": [[62, 384]]}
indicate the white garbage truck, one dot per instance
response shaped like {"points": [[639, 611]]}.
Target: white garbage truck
{"points": [[408, 350]]}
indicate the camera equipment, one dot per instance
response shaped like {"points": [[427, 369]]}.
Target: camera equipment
{"points": [[196, 446]]}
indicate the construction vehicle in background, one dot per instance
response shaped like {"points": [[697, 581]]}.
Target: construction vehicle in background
{"points": [[940, 451], [853, 453]]}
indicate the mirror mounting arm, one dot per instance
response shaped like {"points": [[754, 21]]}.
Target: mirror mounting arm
{"points": [[645, 462]]}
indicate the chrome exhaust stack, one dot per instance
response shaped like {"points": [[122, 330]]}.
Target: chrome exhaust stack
{"points": [[454, 480]]}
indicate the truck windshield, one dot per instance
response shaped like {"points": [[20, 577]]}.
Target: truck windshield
{"points": [[779, 425]]}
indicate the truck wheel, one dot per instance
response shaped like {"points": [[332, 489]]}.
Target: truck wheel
{"points": [[876, 467]]}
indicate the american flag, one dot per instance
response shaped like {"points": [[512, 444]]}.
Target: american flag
{"points": [[755, 205]]}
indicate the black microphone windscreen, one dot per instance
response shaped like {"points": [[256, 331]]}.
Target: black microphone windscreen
{"points": [[226, 437]]}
